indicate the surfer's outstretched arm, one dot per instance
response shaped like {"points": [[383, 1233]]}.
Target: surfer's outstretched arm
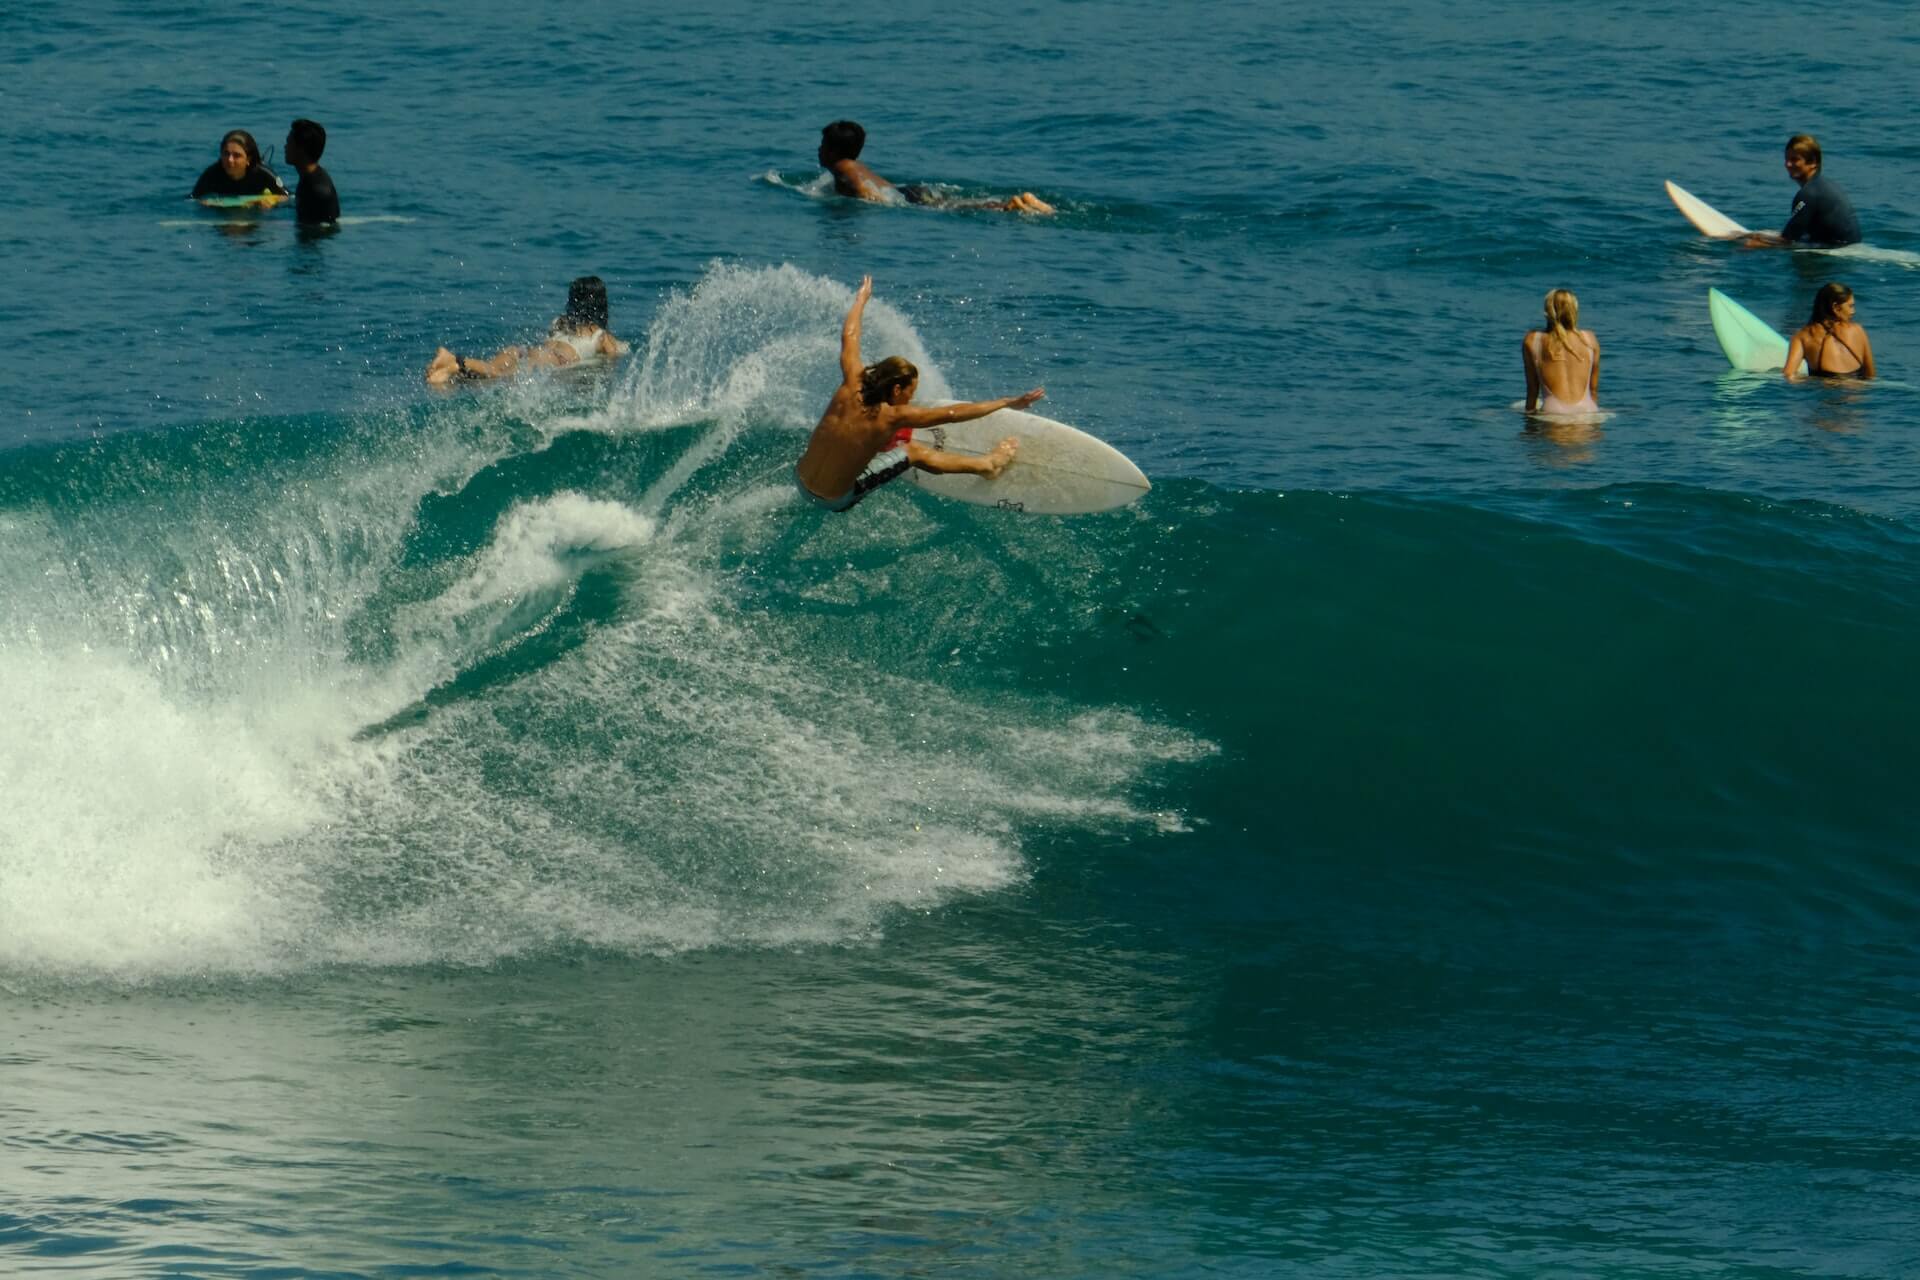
{"points": [[919, 415], [850, 335]]}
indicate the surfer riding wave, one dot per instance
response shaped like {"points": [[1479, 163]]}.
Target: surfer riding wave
{"points": [[865, 437]]}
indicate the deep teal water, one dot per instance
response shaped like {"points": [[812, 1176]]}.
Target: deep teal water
{"points": [[497, 833]]}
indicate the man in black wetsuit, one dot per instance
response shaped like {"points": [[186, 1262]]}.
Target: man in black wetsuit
{"points": [[1822, 214], [315, 202]]}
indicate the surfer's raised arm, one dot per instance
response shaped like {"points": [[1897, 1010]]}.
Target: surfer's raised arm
{"points": [[850, 365], [916, 415]]}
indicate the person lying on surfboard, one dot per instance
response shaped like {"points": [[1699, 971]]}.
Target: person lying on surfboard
{"points": [[1561, 361], [577, 333], [1832, 344], [1822, 215], [865, 438], [840, 146]]}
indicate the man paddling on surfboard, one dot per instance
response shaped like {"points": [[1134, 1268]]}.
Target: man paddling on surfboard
{"points": [[865, 438], [1822, 215], [840, 145]]}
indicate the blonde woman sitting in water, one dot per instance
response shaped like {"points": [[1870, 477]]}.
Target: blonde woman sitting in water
{"points": [[1832, 344], [1562, 360]]}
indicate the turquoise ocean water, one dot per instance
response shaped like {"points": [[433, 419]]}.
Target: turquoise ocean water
{"points": [[500, 833]]}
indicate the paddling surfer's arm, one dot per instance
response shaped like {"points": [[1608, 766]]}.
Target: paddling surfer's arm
{"points": [[1533, 373]]}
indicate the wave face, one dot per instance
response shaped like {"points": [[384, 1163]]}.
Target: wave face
{"points": [[505, 676], [562, 664]]}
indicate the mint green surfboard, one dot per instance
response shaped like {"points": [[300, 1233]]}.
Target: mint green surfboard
{"points": [[1750, 342]]}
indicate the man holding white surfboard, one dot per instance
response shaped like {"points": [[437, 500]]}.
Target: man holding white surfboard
{"points": [[865, 437], [1822, 215]]}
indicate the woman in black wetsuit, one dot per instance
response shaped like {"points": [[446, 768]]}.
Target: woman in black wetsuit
{"points": [[238, 171]]}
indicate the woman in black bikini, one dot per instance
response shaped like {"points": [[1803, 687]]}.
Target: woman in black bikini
{"points": [[1832, 344]]}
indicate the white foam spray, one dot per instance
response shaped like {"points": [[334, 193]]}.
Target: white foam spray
{"points": [[244, 730]]}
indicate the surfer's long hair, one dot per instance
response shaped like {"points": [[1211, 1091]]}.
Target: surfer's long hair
{"points": [[1831, 295], [877, 381], [1563, 323]]}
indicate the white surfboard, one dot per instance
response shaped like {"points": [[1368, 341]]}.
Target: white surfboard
{"points": [[1711, 222], [350, 220], [1751, 343], [1708, 220], [1058, 470]]}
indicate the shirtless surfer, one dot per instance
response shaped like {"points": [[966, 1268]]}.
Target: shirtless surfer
{"points": [[865, 438], [840, 145], [1821, 214]]}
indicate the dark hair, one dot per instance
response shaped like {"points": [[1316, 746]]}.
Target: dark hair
{"points": [[1831, 295], [586, 303], [247, 144], [842, 140], [310, 138], [877, 381], [1802, 146]]}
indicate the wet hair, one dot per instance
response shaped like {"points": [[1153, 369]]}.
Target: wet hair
{"points": [[1563, 322], [877, 381], [1802, 146], [247, 144], [842, 140], [586, 304], [1831, 295], [310, 138]]}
